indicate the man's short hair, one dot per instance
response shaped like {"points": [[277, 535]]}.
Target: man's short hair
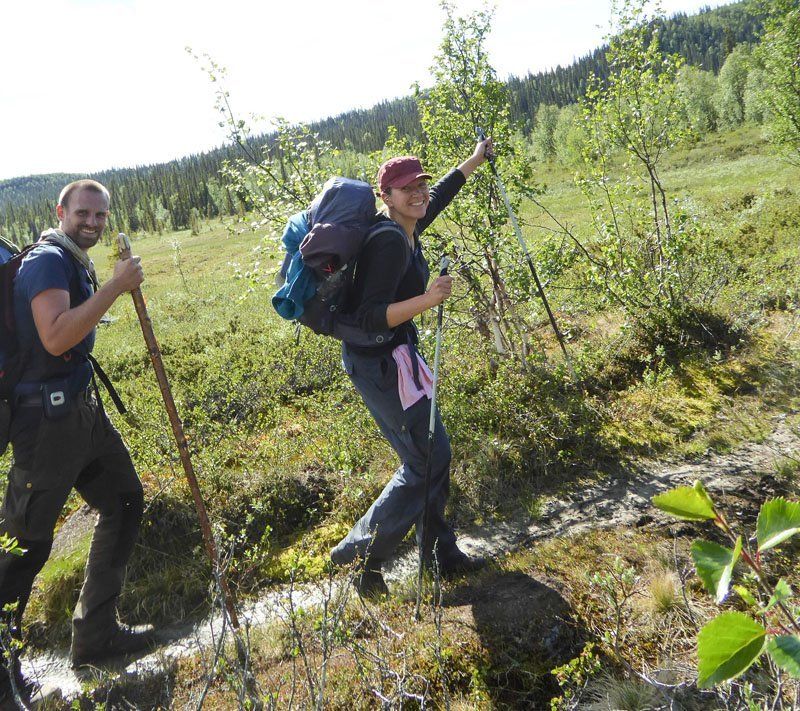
{"points": [[84, 184]]}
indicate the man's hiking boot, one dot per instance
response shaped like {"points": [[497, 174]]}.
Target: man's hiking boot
{"points": [[124, 640], [457, 563], [26, 688]]}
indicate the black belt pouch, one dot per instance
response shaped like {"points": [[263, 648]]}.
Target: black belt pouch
{"points": [[56, 399]]}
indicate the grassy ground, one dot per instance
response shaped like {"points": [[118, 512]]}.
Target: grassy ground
{"points": [[288, 456], [557, 623]]}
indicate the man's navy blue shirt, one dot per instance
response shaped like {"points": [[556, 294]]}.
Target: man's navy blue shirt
{"points": [[49, 267]]}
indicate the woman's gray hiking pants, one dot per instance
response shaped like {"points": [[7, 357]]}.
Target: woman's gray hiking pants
{"points": [[400, 506]]}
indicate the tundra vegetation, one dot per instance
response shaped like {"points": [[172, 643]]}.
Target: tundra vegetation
{"points": [[663, 218]]}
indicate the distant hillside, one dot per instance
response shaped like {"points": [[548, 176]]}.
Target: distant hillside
{"points": [[703, 40], [172, 194], [146, 198]]}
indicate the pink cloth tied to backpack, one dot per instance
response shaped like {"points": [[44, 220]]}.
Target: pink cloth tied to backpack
{"points": [[407, 388]]}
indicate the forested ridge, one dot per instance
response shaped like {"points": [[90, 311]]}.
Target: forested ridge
{"points": [[703, 40], [175, 195]]}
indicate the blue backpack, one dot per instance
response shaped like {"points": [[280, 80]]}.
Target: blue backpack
{"points": [[7, 250], [322, 248]]}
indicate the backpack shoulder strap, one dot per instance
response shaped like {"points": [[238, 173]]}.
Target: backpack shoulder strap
{"points": [[77, 262], [385, 226], [110, 389]]}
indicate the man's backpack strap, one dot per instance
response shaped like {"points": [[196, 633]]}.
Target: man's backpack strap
{"points": [[109, 386]]}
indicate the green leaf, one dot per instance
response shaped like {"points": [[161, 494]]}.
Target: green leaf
{"points": [[783, 591], [746, 595], [727, 646], [778, 520], [785, 652], [701, 491], [686, 503], [714, 564]]}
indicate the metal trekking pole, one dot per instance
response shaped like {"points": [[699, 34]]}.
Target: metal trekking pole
{"points": [[180, 438], [528, 258], [423, 539]]}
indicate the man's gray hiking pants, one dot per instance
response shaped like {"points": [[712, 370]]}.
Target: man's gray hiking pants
{"points": [[51, 457], [400, 505]]}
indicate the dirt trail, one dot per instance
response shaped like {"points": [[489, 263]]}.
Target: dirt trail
{"points": [[620, 500]]}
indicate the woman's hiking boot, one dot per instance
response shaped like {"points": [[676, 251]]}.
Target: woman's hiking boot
{"points": [[125, 639], [369, 582], [456, 563], [367, 579], [340, 556]]}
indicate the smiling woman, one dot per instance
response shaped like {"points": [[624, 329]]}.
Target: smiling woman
{"points": [[404, 190], [394, 380]]}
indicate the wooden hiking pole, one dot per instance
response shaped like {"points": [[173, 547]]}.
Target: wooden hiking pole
{"points": [[513, 218], [180, 438]]}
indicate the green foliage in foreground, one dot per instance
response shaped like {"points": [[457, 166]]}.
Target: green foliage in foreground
{"points": [[647, 255], [732, 642]]}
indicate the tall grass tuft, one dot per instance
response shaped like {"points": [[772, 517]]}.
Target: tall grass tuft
{"points": [[663, 592]]}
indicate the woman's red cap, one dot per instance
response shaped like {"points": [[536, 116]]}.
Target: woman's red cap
{"points": [[399, 172]]}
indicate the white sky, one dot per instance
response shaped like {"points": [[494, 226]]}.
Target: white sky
{"points": [[94, 84]]}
